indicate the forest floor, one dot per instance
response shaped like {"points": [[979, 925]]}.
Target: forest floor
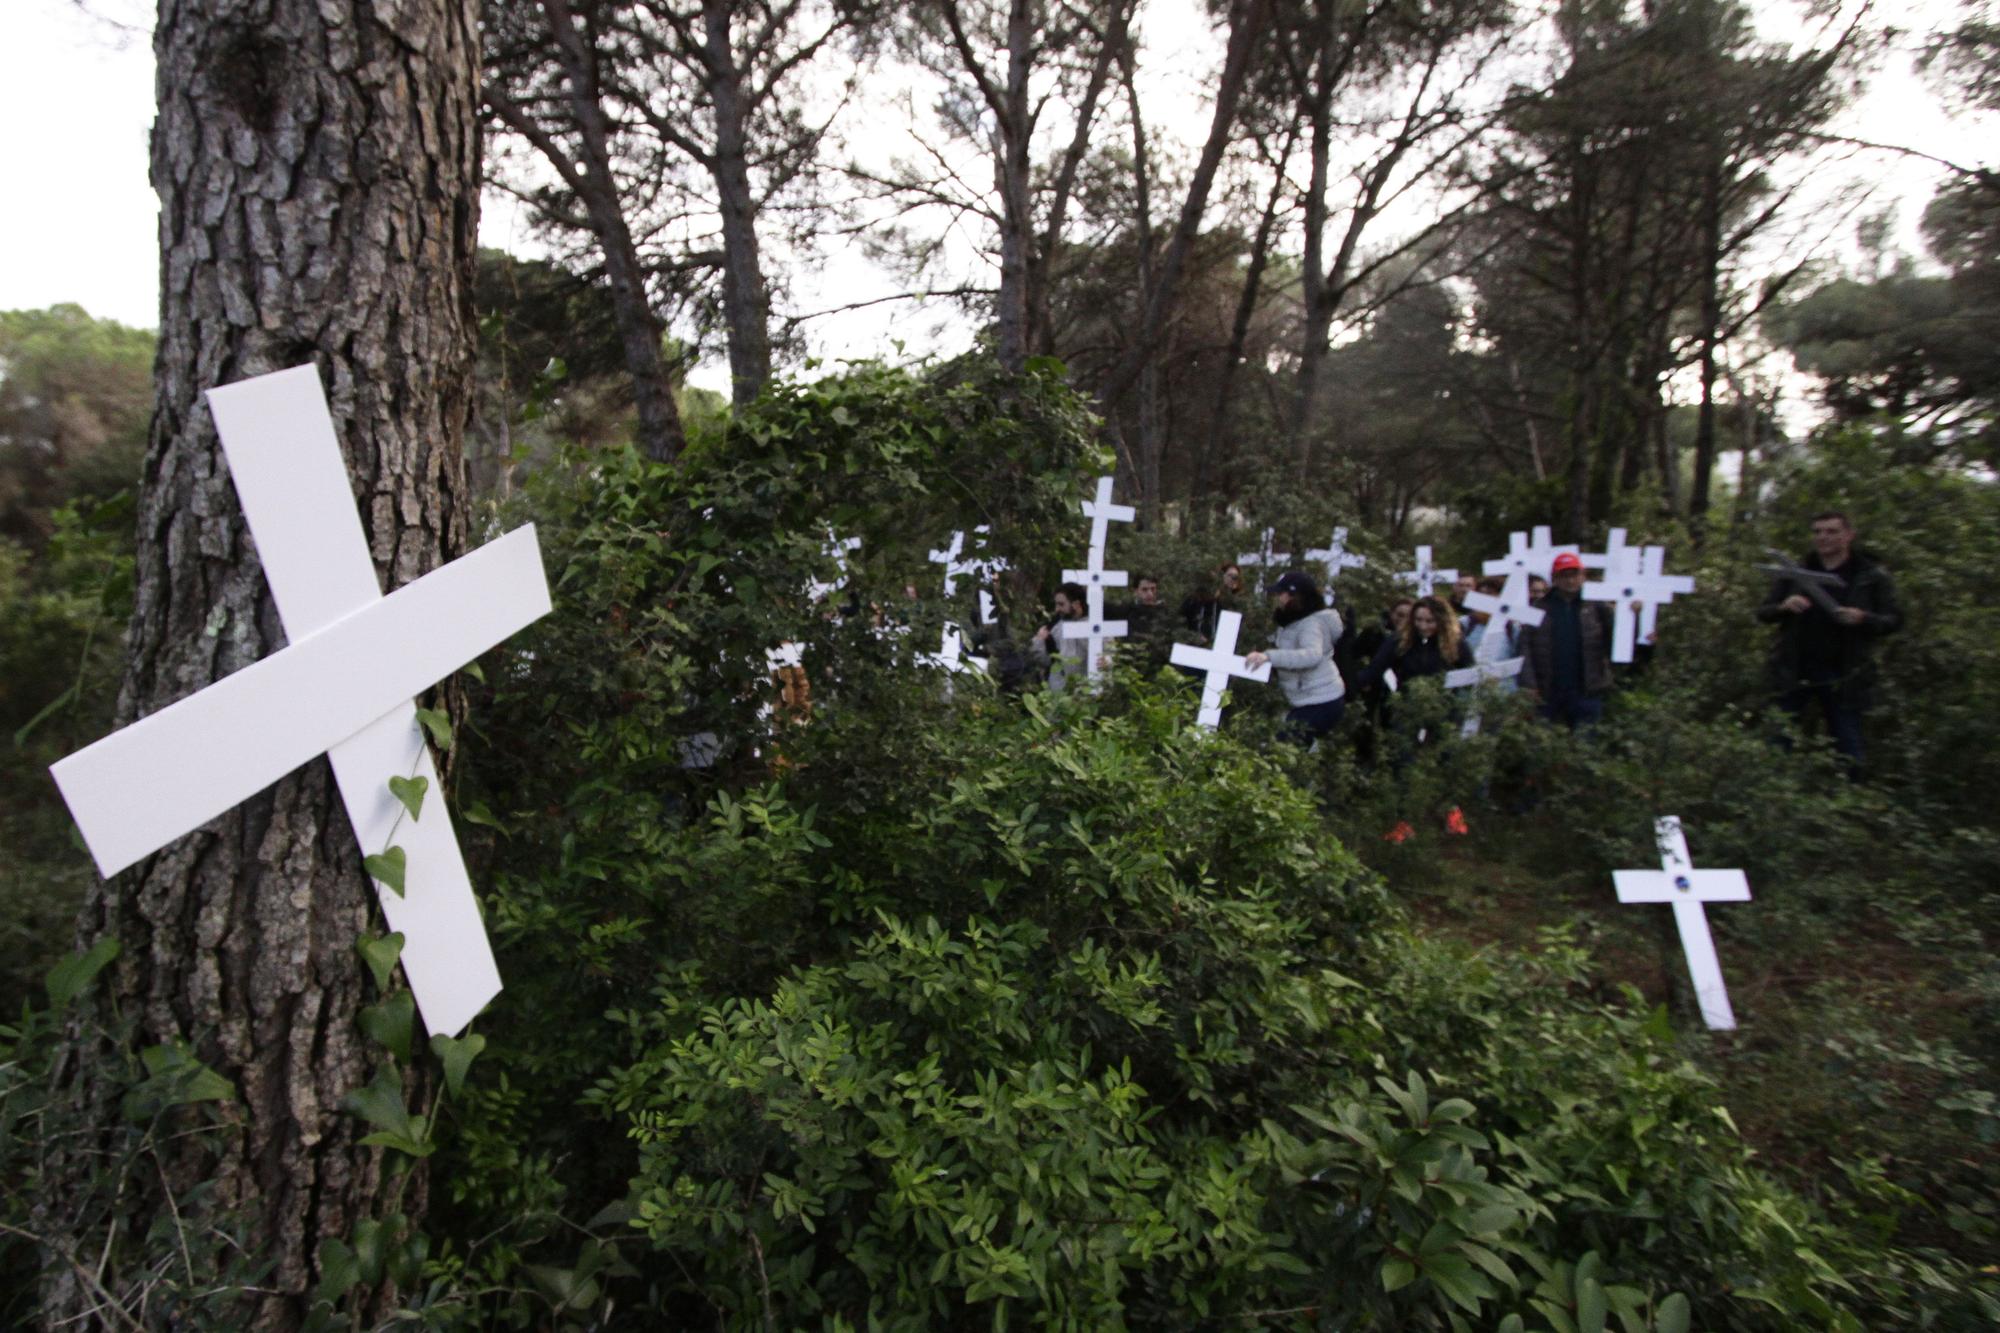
{"points": [[1850, 1059]]}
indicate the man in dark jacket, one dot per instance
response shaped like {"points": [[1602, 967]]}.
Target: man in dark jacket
{"points": [[1825, 656], [1568, 655]]}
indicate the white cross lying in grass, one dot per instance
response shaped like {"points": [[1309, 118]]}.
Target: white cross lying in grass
{"points": [[1220, 662], [1679, 883], [342, 687]]}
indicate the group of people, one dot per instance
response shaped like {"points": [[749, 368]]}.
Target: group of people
{"points": [[1822, 655]]}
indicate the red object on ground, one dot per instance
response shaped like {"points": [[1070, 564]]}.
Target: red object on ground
{"points": [[1401, 833], [1455, 822]]}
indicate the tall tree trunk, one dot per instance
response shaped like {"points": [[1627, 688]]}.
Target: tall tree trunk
{"points": [[1011, 162], [1147, 462], [640, 331], [1318, 309], [1248, 20], [317, 163], [746, 301], [1200, 502], [1711, 325]]}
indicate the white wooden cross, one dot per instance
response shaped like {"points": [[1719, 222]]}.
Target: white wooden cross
{"points": [[1264, 558], [1503, 612], [1529, 557], [1423, 578], [1094, 626], [951, 653], [835, 549], [1613, 552], [1629, 591], [1481, 671], [343, 687], [1220, 662], [953, 566], [1652, 563], [1336, 557], [986, 566], [1102, 513], [1679, 883]]}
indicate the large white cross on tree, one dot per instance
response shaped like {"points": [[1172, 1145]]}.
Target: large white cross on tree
{"points": [[1679, 883], [343, 686], [1220, 662]]}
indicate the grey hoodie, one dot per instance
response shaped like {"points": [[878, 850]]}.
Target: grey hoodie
{"points": [[1302, 659]]}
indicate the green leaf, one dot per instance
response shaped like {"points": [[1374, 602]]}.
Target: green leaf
{"points": [[173, 1078], [391, 1021], [339, 1270], [410, 791], [69, 978], [438, 725], [1674, 1315], [474, 670], [1591, 1307], [371, 1246], [457, 1054], [1397, 1274], [381, 1103], [479, 813], [380, 952], [387, 868]]}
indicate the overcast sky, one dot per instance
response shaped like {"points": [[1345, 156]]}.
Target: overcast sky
{"points": [[76, 93]]}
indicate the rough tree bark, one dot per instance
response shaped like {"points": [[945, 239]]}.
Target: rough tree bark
{"points": [[746, 300], [317, 163]]}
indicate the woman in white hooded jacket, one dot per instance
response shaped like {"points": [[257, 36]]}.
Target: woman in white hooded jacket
{"points": [[1301, 657]]}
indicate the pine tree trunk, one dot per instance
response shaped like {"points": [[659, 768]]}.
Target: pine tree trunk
{"points": [[745, 298], [317, 163], [1011, 170]]}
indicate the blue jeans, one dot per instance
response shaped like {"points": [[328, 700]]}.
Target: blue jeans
{"points": [[1308, 722]]}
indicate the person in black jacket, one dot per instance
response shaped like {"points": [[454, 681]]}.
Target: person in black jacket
{"points": [[1202, 612], [1428, 644], [1824, 657]]}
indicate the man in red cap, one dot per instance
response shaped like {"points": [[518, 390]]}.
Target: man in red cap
{"points": [[1568, 666]]}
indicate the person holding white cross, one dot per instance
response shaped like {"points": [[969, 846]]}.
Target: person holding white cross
{"points": [[1055, 653], [1302, 656], [1567, 658]]}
